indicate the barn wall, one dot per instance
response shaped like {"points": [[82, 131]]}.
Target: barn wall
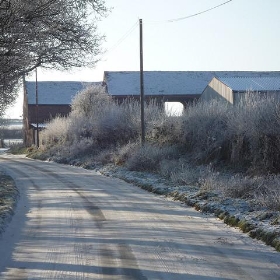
{"points": [[47, 112], [218, 91]]}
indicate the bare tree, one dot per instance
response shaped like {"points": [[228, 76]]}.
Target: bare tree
{"points": [[58, 34]]}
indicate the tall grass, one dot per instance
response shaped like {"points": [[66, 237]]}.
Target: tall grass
{"points": [[149, 157]]}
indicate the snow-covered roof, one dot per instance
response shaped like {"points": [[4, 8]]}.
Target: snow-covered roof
{"points": [[54, 93], [169, 82], [252, 83]]}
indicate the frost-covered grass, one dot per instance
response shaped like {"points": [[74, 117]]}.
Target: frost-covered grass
{"points": [[8, 198], [149, 157], [263, 191]]}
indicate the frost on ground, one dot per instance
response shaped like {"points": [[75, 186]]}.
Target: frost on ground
{"points": [[8, 198], [245, 214]]}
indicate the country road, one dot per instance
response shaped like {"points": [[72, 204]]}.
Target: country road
{"points": [[72, 223]]}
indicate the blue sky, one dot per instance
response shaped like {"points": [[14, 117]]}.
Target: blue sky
{"points": [[240, 35]]}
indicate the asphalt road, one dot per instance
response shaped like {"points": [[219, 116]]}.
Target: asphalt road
{"points": [[72, 223]]}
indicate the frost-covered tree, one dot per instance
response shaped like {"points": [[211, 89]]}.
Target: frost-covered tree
{"points": [[58, 34]]}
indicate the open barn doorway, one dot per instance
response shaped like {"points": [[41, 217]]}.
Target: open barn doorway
{"points": [[173, 108]]}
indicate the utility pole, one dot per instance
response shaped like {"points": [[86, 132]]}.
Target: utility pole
{"points": [[142, 97], [37, 116]]}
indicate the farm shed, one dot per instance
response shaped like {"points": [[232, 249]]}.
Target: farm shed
{"points": [[233, 89], [168, 86], [54, 99]]}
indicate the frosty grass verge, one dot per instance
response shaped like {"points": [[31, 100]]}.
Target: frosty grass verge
{"points": [[263, 224], [8, 199]]}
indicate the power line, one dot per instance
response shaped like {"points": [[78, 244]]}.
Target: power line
{"points": [[121, 39], [189, 16], [199, 13], [168, 21]]}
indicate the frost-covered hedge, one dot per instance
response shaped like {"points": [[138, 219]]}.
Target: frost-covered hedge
{"points": [[246, 135], [97, 122]]}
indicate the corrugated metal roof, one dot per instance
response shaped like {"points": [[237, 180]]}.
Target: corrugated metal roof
{"points": [[54, 93], [252, 83], [170, 82]]}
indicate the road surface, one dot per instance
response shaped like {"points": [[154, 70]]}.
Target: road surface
{"points": [[72, 223]]}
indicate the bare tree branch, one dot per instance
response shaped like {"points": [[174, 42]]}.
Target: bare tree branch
{"points": [[48, 33]]}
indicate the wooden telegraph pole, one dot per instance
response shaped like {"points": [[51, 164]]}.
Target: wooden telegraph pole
{"points": [[37, 116], [142, 97]]}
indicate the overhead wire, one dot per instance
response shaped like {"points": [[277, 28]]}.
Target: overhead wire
{"points": [[199, 13], [192, 15], [121, 39], [164, 21]]}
